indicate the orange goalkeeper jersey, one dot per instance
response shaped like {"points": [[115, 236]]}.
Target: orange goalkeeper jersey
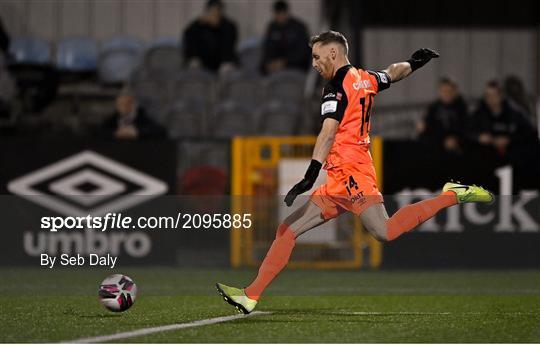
{"points": [[348, 98]]}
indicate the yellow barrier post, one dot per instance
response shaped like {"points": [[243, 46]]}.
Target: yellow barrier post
{"points": [[236, 189]]}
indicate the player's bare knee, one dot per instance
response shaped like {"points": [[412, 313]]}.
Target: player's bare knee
{"points": [[380, 237], [379, 233]]}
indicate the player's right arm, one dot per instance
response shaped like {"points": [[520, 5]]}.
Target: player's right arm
{"points": [[334, 103], [325, 140], [419, 58], [324, 143]]}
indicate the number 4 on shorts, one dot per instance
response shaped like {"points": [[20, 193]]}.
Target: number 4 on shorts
{"points": [[352, 184]]}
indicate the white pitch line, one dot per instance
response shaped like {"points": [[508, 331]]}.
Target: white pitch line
{"points": [[420, 313], [166, 328], [395, 313]]}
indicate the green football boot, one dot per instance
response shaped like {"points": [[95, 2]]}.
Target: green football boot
{"points": [[469, 193], [237, 298]]}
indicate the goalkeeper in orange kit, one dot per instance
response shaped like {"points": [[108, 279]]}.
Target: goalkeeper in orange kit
{"points": [[343, 147]]}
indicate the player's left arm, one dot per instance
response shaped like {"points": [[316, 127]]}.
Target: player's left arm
{"points": [[419, 58]]}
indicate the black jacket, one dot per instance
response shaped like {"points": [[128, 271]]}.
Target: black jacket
{"points": [[148, 129], [443, 120], [509, 122], [4, 39], [212, 45], [288, 41]]}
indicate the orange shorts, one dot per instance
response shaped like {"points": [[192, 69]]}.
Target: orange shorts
{"points": [[351, 187]]}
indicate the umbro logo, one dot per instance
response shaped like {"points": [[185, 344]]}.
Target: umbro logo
{"points": [[87, 183]]}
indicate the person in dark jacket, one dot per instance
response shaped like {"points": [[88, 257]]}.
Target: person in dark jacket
{"points": [[517, 96], [4, 39], [7, 83], [444, 123], [285, 42], [130, 121], [496, 123], [210, 41]]}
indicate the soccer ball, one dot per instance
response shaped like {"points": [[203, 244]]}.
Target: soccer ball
{"points": [[117, 292]]}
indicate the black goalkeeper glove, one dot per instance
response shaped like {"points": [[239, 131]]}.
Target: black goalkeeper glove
{"points": [[421, 57], [307, 182]]}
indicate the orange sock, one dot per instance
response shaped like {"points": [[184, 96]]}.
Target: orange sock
{"points": [[410, 216], [276, 259]]}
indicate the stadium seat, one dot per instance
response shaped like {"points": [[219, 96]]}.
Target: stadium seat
{"points": [[194, 86], [195, 152], [122, 42], [231, 119], [77, 54], [163, 58], [118, 59], [217, 155], [30, 50], [153, 95], [166, 41], [250, 52], [286, 86], [184, 121], [240, 86], [275, 114], [203, 180]]}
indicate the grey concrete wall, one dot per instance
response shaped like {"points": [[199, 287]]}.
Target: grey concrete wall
{"points": [[470, 56], [146, 19]]}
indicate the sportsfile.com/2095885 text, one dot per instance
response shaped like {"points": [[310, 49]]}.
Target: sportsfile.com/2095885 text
{"points": [[117, 221]]}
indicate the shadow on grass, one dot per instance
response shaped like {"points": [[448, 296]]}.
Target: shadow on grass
{"points": [[99, 316], [306, 321], [286, 316]]}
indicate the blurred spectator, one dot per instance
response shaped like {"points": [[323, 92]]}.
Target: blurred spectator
{"points": [[496, 123], [130, 121], [4, 40], [444, 123], [285, 42], [7, 91], [7, 84], [210, 40], [518, 98]]}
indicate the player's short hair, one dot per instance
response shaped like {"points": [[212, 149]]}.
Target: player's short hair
{"points": [[329, 37]]}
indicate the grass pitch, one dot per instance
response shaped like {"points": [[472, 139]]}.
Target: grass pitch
{"points": [[41, 305]]}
